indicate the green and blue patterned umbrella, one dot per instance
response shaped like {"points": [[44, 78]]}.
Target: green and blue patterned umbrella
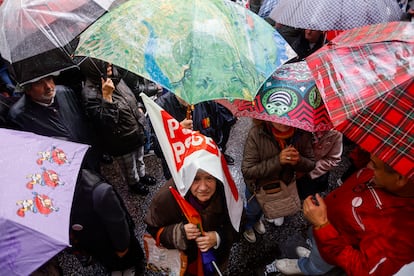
{"points": [[200, 50]]}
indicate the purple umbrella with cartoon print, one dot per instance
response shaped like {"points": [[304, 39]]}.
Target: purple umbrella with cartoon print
{"points": [[38, 176]]}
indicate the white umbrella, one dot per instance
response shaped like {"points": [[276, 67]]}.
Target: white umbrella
{"points": [[325, 15]]}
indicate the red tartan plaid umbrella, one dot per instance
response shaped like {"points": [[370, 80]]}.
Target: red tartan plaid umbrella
{"points": [[365, 77]]}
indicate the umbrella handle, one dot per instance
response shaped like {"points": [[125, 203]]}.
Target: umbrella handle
{"points": [[217, 269], [189, 110]]}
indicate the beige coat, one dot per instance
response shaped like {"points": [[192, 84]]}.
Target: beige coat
{"points": [[261, 157]]}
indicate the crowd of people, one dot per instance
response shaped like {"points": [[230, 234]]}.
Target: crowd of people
{"points": [[363, 226]]}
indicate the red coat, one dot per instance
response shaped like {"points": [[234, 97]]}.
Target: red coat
{"points": [[371, 231]]}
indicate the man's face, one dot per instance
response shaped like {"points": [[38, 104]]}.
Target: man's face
{"points": [[382, 178], [42, 90]]}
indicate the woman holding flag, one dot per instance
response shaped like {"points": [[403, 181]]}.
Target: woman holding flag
{"points": [[199, 210], [211, 232]]}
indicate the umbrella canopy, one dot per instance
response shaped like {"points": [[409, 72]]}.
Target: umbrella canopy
{"points": [[267, 7], [200, 50], [38, 178], [325, 15], [39, 66], [34, 27], [288, 97], [365, 77]]}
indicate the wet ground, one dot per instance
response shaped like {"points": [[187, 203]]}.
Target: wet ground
{"points": [[246, 258]]}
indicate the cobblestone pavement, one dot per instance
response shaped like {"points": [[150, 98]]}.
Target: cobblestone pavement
{"points": [[246, 258]]}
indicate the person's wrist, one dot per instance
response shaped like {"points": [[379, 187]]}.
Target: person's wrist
{"points": [[320, 226], [107, 98]]}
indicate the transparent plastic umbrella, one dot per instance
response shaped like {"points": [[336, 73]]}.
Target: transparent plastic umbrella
{"points": [[30, 28]]}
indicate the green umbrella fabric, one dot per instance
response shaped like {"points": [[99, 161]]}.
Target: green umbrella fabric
{"points": [[200, 50]]}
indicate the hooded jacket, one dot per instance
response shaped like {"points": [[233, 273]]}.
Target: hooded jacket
{"points": [[101, 225]]}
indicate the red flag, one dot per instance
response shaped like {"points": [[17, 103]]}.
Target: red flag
{"points": [[189, 211], [193, 217]]}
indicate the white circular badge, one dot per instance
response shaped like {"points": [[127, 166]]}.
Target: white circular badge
{"points": [[356, 201]]}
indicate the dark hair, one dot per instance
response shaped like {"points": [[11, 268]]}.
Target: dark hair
{"points": [[26, 87]]}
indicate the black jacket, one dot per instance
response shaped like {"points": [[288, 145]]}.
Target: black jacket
{"points": [[101, 224], [303, 48], [210, 118], [64, 119], [120, 124]]}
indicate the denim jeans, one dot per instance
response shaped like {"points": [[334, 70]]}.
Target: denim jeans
{"points": [[253, 210], [314, 265]]}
